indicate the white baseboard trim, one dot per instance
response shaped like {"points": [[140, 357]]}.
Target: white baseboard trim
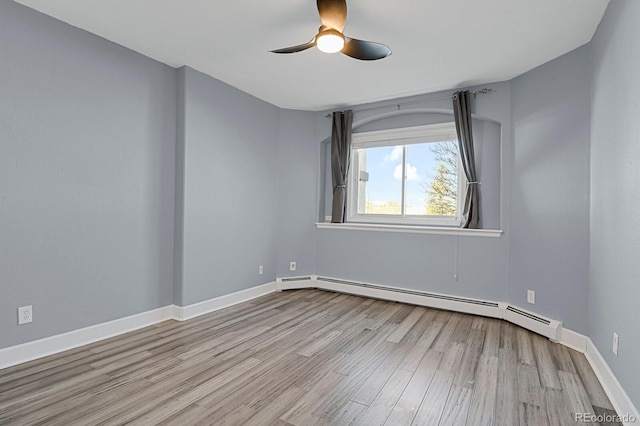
{"points": [[182, 313], [618, 397], [29, 351], [573, 340]]}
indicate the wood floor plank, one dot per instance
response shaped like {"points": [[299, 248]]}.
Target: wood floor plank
{"points": [[308, 357], [382, 406], [463, 328], [123, 410], [203, 416], [452, 358], [525, 349], [302, 411], [547, 369], [276, 408], [575, 395], [339, 397], [435, 399], [426, 339], [597, 395], [508, 336], [457, 407], [532, 415], [558, 413], [406, 325], [192, 395], [483, 399], [270, 376], [444, 339], [223, 342], [348, 415], [317, 345], [507, 389], [118, 392], [376, 381], [189, 416], [492, 337], [563, 358], [368, 353], [465, 376], [529, 388], [407, 405], [357, 374], [380, 317]]}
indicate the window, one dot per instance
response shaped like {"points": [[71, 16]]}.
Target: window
{"points": [[406, 176]]}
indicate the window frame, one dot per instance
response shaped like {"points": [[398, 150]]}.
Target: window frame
{"points": [[404, 136]]}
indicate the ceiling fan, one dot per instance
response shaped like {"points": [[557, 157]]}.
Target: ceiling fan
{"points": [[333, 15]]}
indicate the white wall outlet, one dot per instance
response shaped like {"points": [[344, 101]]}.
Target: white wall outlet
{"points": [[260, 270], [531, 297], [25, 315], [292, 266], [616, 341]]}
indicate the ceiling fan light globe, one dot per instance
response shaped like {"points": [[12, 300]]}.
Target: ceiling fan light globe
{"points": [[330, 41]]}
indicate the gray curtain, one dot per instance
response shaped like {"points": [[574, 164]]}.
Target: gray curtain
{"points": [[462, 114], [340, 160]]}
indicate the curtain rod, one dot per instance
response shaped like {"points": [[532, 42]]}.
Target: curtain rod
{"points": [[482, 91]]}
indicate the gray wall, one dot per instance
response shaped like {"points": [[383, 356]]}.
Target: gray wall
{"points": [[549, 250], [614, 286], [230, 189], [87, 139], [297, 183]]}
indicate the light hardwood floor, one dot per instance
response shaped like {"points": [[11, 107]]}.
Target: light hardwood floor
{"points": [[309, 357]]}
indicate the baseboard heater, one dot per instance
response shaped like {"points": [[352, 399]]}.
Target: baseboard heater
{"points": [[529, 320]]}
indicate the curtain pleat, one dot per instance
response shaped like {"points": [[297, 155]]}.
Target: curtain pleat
{"points": [[340, 160], [462, 114]]}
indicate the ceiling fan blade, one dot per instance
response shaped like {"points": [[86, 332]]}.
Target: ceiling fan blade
{"points": [[295, 49], [365, 50], [333, 13]]}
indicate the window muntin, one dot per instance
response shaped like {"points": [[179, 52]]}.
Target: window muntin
{"points": [[407, 176]]}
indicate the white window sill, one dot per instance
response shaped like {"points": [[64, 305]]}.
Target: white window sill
{"points": [[413, 229]]}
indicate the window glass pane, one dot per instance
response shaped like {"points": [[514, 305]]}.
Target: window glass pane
{"points": [[430, 176], [380, 180], [432, 179], [420, 164]]}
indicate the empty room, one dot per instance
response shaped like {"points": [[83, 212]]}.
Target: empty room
{"points": [[319, 213]]}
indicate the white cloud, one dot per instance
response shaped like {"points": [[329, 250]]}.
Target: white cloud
{"points": [[412, 172], [396, 154]]}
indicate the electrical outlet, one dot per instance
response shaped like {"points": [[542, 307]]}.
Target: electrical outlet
{"points": [[531, 297], [616, 341], [292, 266], [25, 315], [260, 270]]}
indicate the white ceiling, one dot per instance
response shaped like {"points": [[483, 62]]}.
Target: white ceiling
{"points": [[436, 44]]}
